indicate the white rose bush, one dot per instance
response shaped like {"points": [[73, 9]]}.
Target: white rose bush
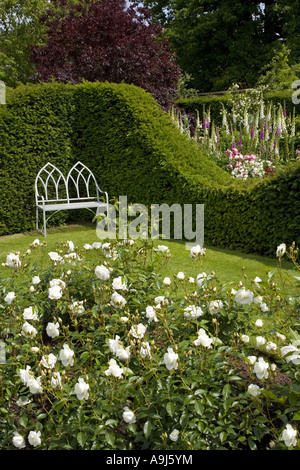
{"points": [[108, 351]]}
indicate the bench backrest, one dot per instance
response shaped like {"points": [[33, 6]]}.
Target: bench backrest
{"points": [[52, 186]]}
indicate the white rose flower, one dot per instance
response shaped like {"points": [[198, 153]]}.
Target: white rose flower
{"points": [[18, 441], [123, 353], [72, 257], [57, 282], [52, 329], [56, 380], [201, 278], [55, 256], [34, 438], [151, 314], [259, 323], [261, 368], [197, 251], [117, 300], [281, 249], [13, 261], [10, 297], [129, 416], [114, 344], [281, 336], [260, 341], [145, 349], [28, 330], [163, 248], [256, 281], [158, 300], [245, 338], [254, 390], [215, 306], [77, 307], [36, 242], [192, 311], [81, 389], [243, 296], [180, 276], [271, 346], [25, 374], [252, 359], [35, 280], [289, 436], [264, 308], [171, 359], [70, 246], [288, 349], [96, 245], [102, 272], [55, 292], [30, 314], [167, 281], [203, 339], [49, 361], [34, 385], [118, 283], [295, 357], [108, 251], [116, 347], [114, 369], [66, 356], [138, 331], [174, 435]]}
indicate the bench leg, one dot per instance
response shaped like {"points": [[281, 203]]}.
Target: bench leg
{"points": [[44, 218], [37, 219]]}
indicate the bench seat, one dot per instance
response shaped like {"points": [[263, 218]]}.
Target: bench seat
{"points": [[72, 205]]}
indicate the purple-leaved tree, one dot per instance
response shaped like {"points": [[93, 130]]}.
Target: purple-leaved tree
{"points": [[103, 41]]}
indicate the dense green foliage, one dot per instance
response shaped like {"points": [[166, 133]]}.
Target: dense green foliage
{"points": [[20, 28], [228, 41], [36, 127], [102, 352], [134, 150]]}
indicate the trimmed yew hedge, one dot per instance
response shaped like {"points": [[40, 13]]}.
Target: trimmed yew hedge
{"points": [[132, 147]]}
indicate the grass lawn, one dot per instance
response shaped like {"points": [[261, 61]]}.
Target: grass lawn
{"points": [[227, 264]]}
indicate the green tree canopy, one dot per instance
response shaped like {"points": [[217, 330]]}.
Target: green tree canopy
{"points": [[19, 29], [220, 42]]}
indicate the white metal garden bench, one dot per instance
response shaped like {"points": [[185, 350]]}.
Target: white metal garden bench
{"points": [[78, 190]]}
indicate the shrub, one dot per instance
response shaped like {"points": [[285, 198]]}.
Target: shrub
{"points": [[35, 127], [105, 353]]}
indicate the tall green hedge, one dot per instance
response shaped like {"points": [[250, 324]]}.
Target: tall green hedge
{"points": [[134, 150], [35, 127]]}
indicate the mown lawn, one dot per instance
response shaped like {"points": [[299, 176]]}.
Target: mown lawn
{"points": [[229, 266]]}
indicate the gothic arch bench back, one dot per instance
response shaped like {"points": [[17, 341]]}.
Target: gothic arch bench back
{"points": [[77, 190]]}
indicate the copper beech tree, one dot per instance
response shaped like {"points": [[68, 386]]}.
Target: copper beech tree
{"points": [[105, 41]]}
